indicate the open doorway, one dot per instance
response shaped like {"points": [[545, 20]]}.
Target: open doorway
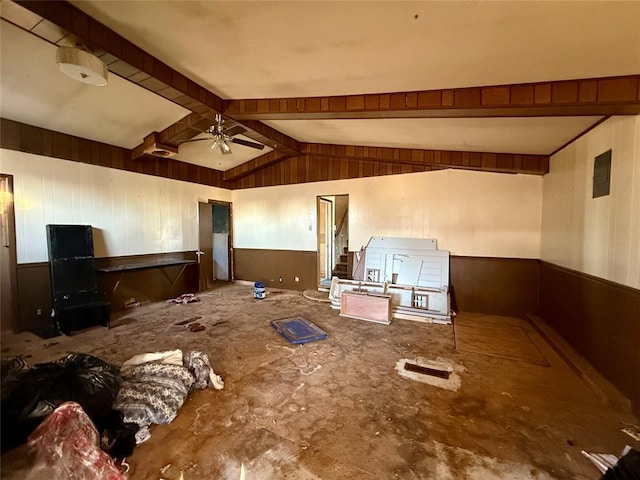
{"points": [[333, 238], [222, 249], [215, 254]]}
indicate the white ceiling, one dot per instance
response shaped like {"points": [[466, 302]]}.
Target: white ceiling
{"points": [[34, 91], [283, 49], [498, 135], [279, 49]]}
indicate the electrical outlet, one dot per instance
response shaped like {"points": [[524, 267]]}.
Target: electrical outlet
{"points": [[296, 279], [280, 279], [39, 311]]}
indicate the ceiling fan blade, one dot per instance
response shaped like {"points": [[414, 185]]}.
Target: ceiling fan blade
{"points": [[195, 140], [247, 143], [235, 130]]}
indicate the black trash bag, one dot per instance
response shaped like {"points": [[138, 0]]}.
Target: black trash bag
{"points": [[78, 377], [11, 371], [118, 438], [627, 468]]}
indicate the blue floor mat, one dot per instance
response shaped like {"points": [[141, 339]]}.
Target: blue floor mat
{"points": [[298, 330]]}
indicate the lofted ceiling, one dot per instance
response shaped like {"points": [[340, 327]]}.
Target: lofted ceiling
{"points": [[293, 73]]}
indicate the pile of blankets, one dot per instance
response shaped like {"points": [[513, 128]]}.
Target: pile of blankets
{"points": [[80, 411], [155, 385]]}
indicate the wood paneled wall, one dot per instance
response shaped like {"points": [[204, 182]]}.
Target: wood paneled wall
{"points": [[340, 166], [268, 266], [600, 319], [496, 286], [39, 141], [34, 297], [148, 285], [319, 163], [304, 169]]}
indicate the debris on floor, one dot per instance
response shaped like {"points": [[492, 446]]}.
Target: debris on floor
{"points": [[413, 273], [184, 299], [366, 306], [438, 373], [632, 430], [29, 395], [627, 467], [155, 386], [602, 461], [188, 320], [316, 296], [298, 330], [196, 327], [67, 445], [512, 419], [131, 302], [78, 412]]}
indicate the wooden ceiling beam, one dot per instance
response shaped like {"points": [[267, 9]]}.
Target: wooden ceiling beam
{"points": [[436, 159], [599, 96], [134, 64], [186, 128], [252, 166]]}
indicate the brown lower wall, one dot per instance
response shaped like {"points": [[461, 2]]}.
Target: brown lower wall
{"points": [[496, 286], [34, 296], [148, 285], [269, 266], [600, 319]]}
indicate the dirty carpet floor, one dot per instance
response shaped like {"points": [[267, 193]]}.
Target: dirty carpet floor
{"points": [[339, 409]]}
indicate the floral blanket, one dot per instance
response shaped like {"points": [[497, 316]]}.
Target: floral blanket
{"points": [[153, 391]]}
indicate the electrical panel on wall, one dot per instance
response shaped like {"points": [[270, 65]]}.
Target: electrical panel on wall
{"points": [[602, 174]]}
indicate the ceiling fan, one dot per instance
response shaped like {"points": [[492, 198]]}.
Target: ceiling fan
{"points": [[221, 137]]}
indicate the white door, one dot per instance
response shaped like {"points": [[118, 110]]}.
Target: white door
{"points": [[325, 238]]}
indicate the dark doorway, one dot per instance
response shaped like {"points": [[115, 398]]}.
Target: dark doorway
{"points": [[215, 256], [222, 249]]}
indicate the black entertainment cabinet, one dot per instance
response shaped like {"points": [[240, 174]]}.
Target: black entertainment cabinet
{"points": [[77, 302]]}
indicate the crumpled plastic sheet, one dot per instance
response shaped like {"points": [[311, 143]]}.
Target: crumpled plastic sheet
{"points": [[29, 395], [66, 446]]}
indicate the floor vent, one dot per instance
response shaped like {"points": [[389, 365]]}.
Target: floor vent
{"points": [[412, 367]]}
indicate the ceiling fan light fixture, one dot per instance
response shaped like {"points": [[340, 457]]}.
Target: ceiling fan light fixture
{"points": [[225, 148], [82, 66]]}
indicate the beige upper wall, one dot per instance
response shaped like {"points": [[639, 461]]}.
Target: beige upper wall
{"points": [[469, 213], [597, 236], [131, 213]]}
